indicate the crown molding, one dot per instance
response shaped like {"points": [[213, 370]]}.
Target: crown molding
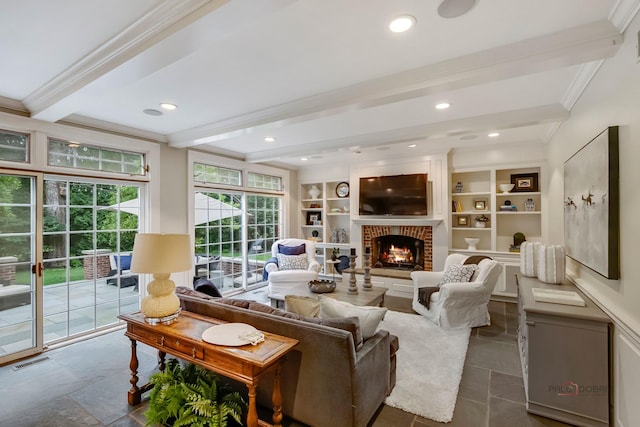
{"points": [[623, 13]]}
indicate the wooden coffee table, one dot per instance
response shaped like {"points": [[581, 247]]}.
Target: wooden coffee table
{"points": [[372, 297], [182, 339]]}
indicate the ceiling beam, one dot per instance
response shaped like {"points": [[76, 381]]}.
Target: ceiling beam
{"points": [[467, 126], [569, 47]]}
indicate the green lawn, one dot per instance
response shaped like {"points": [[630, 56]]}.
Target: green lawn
{"points": [[52, 276]]}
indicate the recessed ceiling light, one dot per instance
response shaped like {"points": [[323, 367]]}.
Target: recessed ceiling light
{"points": [[493, 134], [168, 106], [152, 112], [269, 139], [402, 23], [304, 159], [411, 146], [442, 106]]}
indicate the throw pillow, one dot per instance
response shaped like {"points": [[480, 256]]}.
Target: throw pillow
{"points": [[307, 306], [183, 290], [292, 250], [125, 262], [292, 262], [369, 317], [206, 286], [456, 273]]}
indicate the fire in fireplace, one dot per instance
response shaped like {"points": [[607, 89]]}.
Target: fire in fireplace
{"points": [[394, 251]]}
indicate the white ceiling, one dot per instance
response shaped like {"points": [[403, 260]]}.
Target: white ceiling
{"points": [[326, 78]]}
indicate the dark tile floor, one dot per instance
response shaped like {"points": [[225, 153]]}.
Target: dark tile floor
{"points": [[84, 384]]}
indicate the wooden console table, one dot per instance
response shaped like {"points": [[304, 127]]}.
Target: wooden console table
{"points": [[182, 339]]}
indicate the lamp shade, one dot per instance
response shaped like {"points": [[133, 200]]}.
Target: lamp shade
{"points": [[161, 253]]}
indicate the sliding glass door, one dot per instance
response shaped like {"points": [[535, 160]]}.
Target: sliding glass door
{"points": [[20, 272], [89, 228]]}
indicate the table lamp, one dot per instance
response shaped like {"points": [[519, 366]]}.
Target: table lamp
{"points": [[161, 255]]}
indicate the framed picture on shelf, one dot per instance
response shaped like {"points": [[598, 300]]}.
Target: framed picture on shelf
{"points": [[314, 218], [462, 220], [525, 182], [480, 205]]}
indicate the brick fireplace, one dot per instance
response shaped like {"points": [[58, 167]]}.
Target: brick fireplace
{"points": [[372, 233]]}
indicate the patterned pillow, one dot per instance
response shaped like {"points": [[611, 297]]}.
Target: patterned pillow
{"points": [[456, 273], [292, 262]]}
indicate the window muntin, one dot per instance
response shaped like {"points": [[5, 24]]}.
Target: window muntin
{"points": [[216, 175], [220, 218], [81, 156], [14, 147], [86, 224], [264, 182]]}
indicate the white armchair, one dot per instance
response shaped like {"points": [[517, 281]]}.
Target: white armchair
{"points": [[283, 278], [462, 304]]}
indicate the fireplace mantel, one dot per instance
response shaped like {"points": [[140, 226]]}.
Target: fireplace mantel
{"points": [[421, 221]]}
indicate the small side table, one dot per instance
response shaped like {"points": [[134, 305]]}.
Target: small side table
{"points": [[333, 268]]}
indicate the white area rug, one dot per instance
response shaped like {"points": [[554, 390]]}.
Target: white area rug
{"points": [[429, 365]]}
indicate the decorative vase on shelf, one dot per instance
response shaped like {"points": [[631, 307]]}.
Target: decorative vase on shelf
{"points": [[314, 192], [480, 224], [529, 205], [459, 187]]}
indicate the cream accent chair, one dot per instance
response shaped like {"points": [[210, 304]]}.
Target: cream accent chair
{"points": [[283, 282], [458, 305]]}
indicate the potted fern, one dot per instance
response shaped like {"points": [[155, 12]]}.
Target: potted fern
{"points": [[192, 396]]}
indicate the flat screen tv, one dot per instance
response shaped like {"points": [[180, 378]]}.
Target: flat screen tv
{"points": [[394, 195]]}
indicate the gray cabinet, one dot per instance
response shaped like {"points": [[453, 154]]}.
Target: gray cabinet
{"points": [[565, 357]]}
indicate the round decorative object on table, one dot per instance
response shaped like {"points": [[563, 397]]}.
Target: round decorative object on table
{"points": [[342, 189], [322, 286], [232, 334]]}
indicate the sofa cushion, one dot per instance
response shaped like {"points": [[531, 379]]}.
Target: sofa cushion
{"points": [[306, 306], [345, 323], [350, 324], [292, 250], [369, 317], [263, 308], [242, 303], [292, 262], [457, 273]]}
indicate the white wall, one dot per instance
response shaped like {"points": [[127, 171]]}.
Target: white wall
{"points": [[612, 98]]}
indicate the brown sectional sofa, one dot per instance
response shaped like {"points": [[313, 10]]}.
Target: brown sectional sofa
{"points": [[324, 380]]}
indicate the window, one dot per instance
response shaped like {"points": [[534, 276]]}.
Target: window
{"points": [[14, 147], [264, 182], [81, 156], [220, 240], [216, 175]]}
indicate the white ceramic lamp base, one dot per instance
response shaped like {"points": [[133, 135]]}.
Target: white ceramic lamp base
{"points": [[162, 300]]}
